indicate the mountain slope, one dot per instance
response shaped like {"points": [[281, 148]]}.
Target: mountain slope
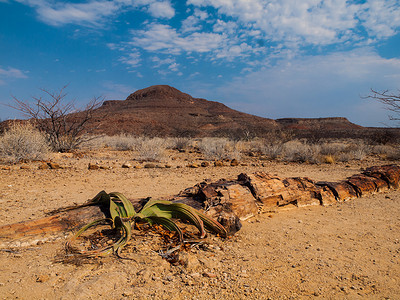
{"points": [[165, 111]]}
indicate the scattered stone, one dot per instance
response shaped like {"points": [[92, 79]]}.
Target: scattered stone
{"points": [[93, 167], [54, 166], [193, 165], [44, 167], [138, 167], [209, 275], [25, 167], [5, 168], [149, 166], [126, 165], [205, 164], [167, 166], [42, 278], [234, 162], [218, 163]]}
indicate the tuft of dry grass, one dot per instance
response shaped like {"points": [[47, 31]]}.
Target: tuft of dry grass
{"points": [[23, 142], [150, 149], [219, 148]]}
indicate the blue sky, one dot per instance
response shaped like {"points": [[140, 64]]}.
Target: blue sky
{"points": [[272, 58]]}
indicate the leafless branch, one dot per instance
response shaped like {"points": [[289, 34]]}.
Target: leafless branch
{"points": [[63, 123]]}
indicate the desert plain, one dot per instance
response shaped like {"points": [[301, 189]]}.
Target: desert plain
{"points": [[350, 250]]}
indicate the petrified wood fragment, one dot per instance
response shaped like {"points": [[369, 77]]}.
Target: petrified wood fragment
{"points": [[388, 173], [228, 201], [343, 191]]}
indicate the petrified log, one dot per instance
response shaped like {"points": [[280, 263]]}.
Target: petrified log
{"points": [[228, 201]]}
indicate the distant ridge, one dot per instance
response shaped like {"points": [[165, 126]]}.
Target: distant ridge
{"points": [[162, 110]]}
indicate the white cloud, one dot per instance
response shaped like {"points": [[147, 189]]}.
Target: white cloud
{"points": [[94, 13], [314, 22], [381, 18], [10, 73], [132, 59], [90, 13], [158, 62], [164, 38], [315, 86], [162, 10]]}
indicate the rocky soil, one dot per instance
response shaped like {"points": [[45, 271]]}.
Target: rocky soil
{"points": [[347, 251]]}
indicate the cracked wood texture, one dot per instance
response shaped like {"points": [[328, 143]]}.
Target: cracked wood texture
{"points": [[227, 201]]}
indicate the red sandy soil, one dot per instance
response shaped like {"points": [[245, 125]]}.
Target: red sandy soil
{"points": [[347, 251]]}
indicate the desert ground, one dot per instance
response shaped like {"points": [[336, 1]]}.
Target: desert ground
{"points": [[350, 250]]}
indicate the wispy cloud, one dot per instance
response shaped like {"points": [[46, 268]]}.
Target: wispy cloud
{"points": [[314, 22], [94, 13], [11, 73], [132, 59], [164, 38]]}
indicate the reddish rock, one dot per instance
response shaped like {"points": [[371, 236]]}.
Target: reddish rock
{"points": [[54, 166], [343, 191], [93, 167], [389, 173], [234, 163]]}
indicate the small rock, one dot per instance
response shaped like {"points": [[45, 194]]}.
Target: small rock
{"points": [[24, 167], [44, 167], [167, 166], [149, 166], [218, 163], [93, 167], [42, 278], [5, 168], [193, 165], [54, 166], [209, 275], [234, 162], [126, 165], [205, 164], [138, 167]]}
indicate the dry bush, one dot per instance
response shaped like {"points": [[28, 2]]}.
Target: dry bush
{"points": [[219, 148], [297, 151], [150, 149], [333, 148], [22, 141], [180, 143]]}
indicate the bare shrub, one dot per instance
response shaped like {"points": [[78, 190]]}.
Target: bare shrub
{"points": [[273, 150], [219, 148], [179, 143], [60, 120], [298, 151], [22, 141], [333, 148], [150, 149]]}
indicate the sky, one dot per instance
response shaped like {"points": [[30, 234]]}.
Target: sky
{"points": [[271, 58]]}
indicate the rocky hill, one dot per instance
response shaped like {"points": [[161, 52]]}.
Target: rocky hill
{"points": [[162, 110], [165, 111]]}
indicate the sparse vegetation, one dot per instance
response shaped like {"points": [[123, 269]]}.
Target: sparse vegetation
{"points": [[22, 141], [150, 149], [63, 124], [219, 148]]}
